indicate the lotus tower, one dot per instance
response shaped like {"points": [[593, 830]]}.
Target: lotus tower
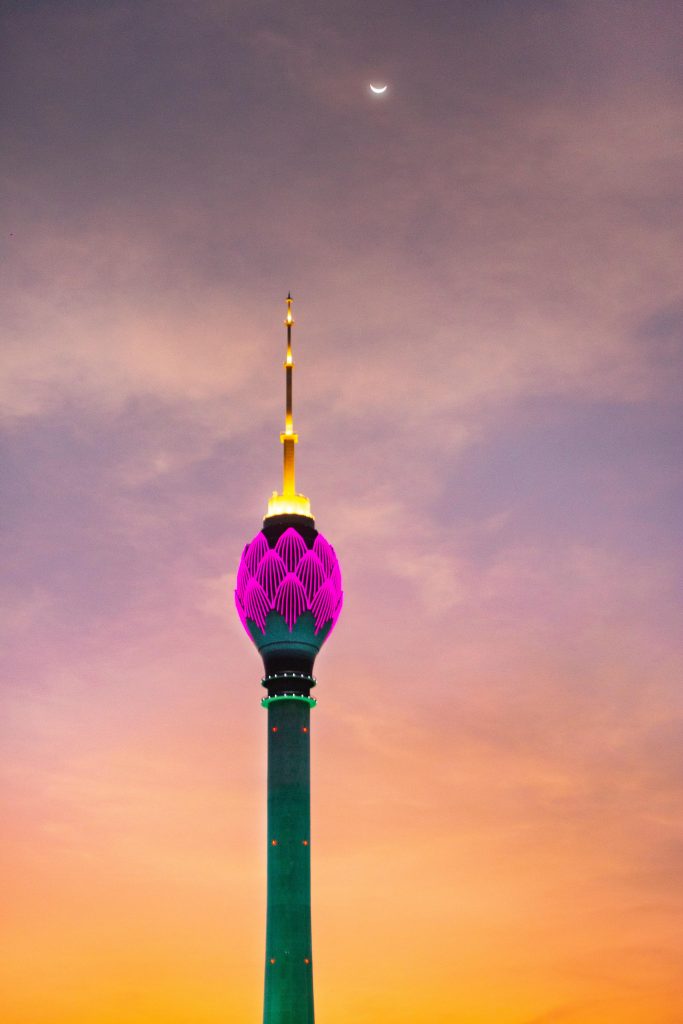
{"points": [[288, 597]]}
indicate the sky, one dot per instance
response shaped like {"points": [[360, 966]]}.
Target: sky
{"points": [[486, 270]]}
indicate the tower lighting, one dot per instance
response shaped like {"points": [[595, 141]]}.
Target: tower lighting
{"points": [[288, 597]]}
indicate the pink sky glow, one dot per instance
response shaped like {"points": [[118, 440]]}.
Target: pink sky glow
{"points": [[486, 266]]}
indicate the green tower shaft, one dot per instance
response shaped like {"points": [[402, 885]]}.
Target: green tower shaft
{"points": [[288, 594], [289, 972]]}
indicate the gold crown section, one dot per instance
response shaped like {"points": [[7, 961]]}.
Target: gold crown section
{"points": [[289, 502]]}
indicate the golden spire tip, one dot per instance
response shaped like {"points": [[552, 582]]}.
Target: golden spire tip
{"points": [[288, 502]]}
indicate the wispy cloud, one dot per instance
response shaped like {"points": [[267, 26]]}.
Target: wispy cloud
{"points": [[486, 272]]}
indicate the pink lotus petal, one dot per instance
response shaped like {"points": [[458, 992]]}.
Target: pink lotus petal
{"points": [[256, 604], [311, 573], [289, 579], [323, 605], [255, 551], [325, 553], [335, 577], [291, 547], [290, 600], [337, 611], [240, 611], [243, 577], [271, 572]]}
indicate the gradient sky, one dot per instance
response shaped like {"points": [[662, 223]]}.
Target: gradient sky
{"points": [[487, 266]]}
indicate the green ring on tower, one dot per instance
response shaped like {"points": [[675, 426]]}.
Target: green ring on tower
{"points": [[267, 701]]}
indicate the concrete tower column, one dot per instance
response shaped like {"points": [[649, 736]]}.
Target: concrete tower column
{"points": [[289, 970], [288, 597]]}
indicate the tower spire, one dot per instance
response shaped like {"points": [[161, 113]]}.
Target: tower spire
{"points": [[288, 502], [288, 593]]}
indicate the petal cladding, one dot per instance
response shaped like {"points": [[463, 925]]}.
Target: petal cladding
{"points": [[324, 605], [243, 577], [255, 552], [271, 572], [291, 547], [256, 604], [290, 600], [311, 573], [325, 553]]}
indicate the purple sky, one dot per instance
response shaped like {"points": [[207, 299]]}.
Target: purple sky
{"points": [[486, 265]]}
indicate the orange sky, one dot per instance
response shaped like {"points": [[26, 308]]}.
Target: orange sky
{"points": [[486, 272]]}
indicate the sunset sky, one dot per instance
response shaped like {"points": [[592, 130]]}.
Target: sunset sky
{"points": [[487, 271]]}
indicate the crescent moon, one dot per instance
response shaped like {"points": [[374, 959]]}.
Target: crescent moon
{"points": [[378, 89]]}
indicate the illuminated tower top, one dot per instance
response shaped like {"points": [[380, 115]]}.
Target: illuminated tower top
{"points": [[288, 594], [289, 502]]}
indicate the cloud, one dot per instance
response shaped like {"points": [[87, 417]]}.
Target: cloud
{"points": [[487, 344]]}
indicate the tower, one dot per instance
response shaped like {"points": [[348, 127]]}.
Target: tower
{"points": [[288, 597]]}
